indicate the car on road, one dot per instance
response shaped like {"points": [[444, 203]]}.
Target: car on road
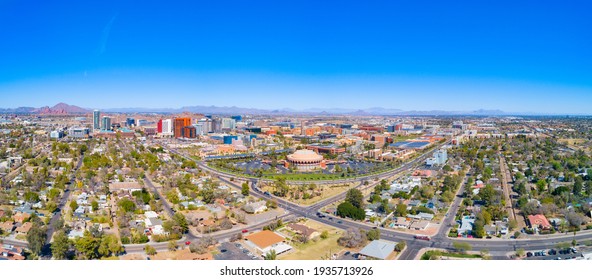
{"points": [[339, 222], [187, 242], [422, 237], [245, 231], [267, 193]]}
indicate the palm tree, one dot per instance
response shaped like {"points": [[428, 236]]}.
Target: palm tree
{"points": [[271, 255]]}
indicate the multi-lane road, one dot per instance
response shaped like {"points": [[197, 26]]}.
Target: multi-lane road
{"points": [[498, 248]]}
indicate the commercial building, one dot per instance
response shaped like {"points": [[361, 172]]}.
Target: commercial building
{"points": [[56, 134], [228, 124], [440, 157], [167, 127], [206, 125], [78, 132], [179, 124], [378, 249], [229, 138], [97, 120], [306, 160], [159, 126], [130, 122], [106, 124], [327, 149], [189, 132]]}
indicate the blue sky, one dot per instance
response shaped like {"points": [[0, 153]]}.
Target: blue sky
{"points": [[532, 56]]}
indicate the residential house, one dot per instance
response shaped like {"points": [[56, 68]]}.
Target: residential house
{"points": [[419, 225], [7, 226], [421, 216], [304, 230], [20, 217], [539, 221], [9, 252], [466, 225], [401, 222], [24, 228], [490, 229], [266, 241], [255, 207]]}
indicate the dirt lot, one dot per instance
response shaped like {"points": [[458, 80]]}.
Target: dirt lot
{"points": [[317, 249]]}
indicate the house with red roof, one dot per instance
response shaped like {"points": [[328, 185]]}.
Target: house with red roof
{"points": [[539, 221]]}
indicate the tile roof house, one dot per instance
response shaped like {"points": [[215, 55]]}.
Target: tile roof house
{"points": [[20, 217], [538, 221], [7, 226], [24, 229], [266, 241], [9, 252]]}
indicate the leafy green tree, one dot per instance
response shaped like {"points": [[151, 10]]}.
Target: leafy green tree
{"points": [[281, 188], [127, 205], [355, 197], [346, 209], [36, 237], [150, 250], [401, 210], [245, 189], [373, 234], [87, 246], [60, 246], [400, 246], [95, 205], [181, 221], [109, 246], [73, 205]]}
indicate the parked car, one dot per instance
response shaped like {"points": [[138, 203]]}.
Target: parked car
{"points": [[552, 252], [245, 231], [529, 255]]}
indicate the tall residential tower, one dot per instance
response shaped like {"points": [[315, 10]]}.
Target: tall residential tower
{"points": [[97, 120]]}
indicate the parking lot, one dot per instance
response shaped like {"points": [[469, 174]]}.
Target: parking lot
{"points": [[234, 251], [553, 254]]}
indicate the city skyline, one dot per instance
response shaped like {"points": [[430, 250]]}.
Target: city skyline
{"points": [[532, 58]]}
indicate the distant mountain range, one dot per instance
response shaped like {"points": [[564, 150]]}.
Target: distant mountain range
{"points": [[65, 109], [58, 109]]}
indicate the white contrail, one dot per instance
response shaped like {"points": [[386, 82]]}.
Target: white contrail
{"points": [[105, 35]]}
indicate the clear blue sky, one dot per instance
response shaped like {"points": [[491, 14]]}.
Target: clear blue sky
{"points": [[517, 56]]}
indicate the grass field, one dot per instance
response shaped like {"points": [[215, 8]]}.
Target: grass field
{"points": [[440, 254], [327, 192], [316, 250]]}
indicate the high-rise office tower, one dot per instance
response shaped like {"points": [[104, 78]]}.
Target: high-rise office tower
{"points": [[179, 124]]}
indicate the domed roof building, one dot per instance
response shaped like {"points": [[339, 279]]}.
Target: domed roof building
{"points": [[306, 160]]}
